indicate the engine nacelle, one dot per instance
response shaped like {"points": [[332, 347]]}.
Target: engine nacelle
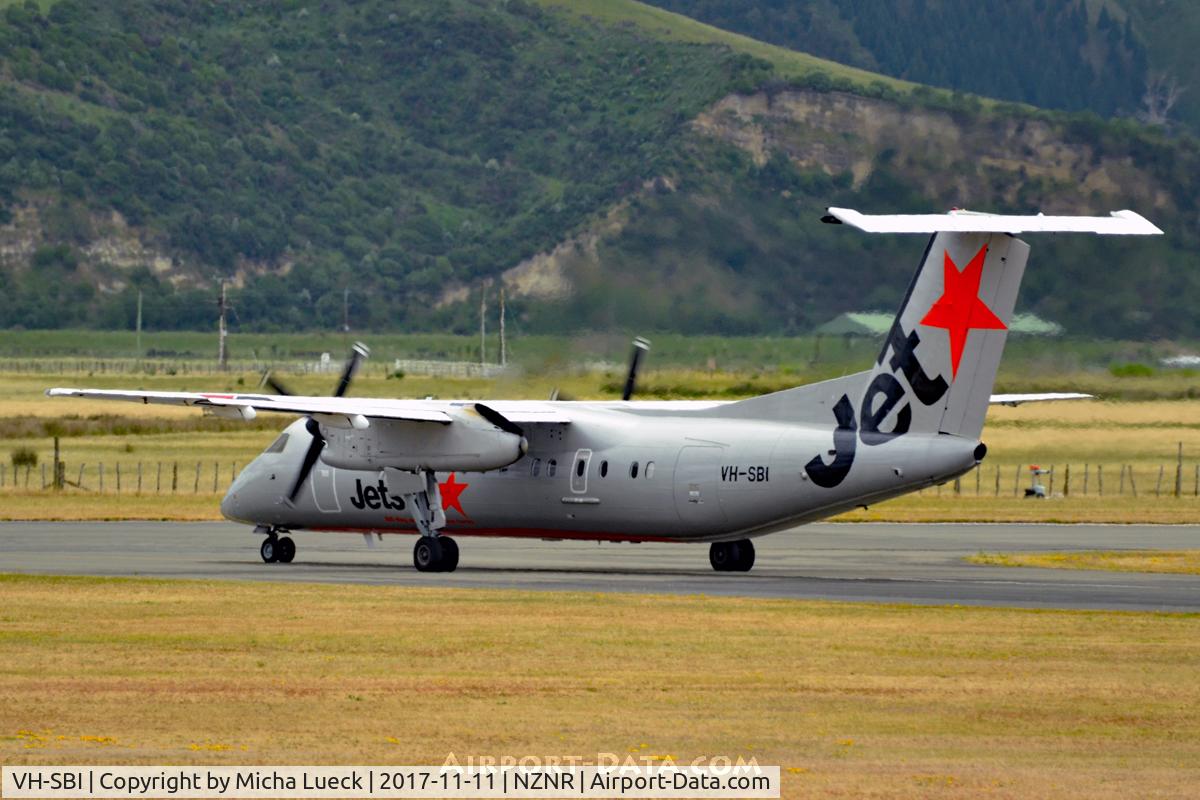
{"points": [[469, 443]]}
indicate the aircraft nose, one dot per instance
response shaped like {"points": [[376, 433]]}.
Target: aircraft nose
{"points": [[233, 504]]}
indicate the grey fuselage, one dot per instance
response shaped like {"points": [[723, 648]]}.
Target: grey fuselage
{"points": [[614, 473]]}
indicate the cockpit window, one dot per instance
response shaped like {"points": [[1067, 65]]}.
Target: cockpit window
{"points": [[277, 445]]}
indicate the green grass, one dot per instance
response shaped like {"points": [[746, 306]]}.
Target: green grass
{"points": [[676, 27]]}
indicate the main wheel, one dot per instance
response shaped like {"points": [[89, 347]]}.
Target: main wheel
{"points": [[269, 550], [723, 555], [745, 556], [428, 554], [449, 554], [285, 550]]}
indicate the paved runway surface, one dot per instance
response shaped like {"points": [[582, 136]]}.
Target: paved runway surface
{"points": [[865, 562]]}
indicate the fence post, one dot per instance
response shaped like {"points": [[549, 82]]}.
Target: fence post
{"points": [[101, 477], [216, 466], [958, 485], [1050, 488], [1158, 486], [1017, 482], [1121, 485], [2, 467], [1179, 471], [80, 481], [158, 480], [978, 470], [174, 476], [1085, 477], [58, 467], [43, 474], [997, 480], [196, 488], [1100, 478], [1132, 485], [139, 488], [1067, 482], [118, 468], [28, 469]]}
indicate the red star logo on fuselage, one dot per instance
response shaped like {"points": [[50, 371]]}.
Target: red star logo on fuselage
{"points": [[451, 492], [959, 309]]}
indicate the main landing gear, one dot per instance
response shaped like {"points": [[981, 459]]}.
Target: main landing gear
{"points": [[435, 554], [732, 556]]}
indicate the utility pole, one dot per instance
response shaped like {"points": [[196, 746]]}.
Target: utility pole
{"points": [[222, 355], [483, 325], [503, 344], [139, 324]]}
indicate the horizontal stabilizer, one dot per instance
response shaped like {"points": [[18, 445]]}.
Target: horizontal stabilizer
{"points": [[1044, 397], [1119, 223]]}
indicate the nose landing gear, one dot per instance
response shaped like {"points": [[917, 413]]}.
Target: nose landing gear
{"points": [[277, 549], [435, 554], [732, 556]]}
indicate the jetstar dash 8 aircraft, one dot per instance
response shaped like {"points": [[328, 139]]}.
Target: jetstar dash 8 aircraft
{"points": [[719, 473]]}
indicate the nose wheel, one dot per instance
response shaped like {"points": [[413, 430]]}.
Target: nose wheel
{"points": [[732, 556], [277, 549], [435, 554]]}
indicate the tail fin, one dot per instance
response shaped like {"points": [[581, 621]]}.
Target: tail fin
{"points": [[945, 343], [938, 364]]}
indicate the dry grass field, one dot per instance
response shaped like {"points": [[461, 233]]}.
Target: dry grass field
{"points": [[851, 700], [1177, 562]]}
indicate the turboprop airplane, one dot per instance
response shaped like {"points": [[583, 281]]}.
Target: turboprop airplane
{"points": [[719, 473]]}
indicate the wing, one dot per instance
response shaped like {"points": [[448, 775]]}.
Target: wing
{"points": [[347, 410], [1017, 399]]}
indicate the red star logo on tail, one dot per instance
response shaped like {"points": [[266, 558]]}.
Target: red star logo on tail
{"points": [[451, 491], [959, 309]]}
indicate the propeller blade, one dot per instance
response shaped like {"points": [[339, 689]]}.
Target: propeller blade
{"points": [[499, 420], [269, 381], [640, 346], [357, 353], [310, 457]]}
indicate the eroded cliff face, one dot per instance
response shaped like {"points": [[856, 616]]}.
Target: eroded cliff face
{"points": [[982, 160]]}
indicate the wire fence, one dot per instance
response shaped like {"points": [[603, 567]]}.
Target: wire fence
{"points": [[986, 480], [1076, 480], [123, 477]]}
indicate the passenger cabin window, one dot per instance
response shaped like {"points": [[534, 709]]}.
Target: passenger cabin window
{"points": [[633, 469], [535, 467], [278, 445], [649, 470], [580, 466], [551, 468], [603, 469]]}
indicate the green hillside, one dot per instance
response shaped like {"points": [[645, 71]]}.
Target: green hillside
{"points": [[665, 174]]}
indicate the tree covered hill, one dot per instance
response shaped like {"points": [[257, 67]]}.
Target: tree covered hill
{"points": [[392, 148], [1097, 55], [615, 165]]}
